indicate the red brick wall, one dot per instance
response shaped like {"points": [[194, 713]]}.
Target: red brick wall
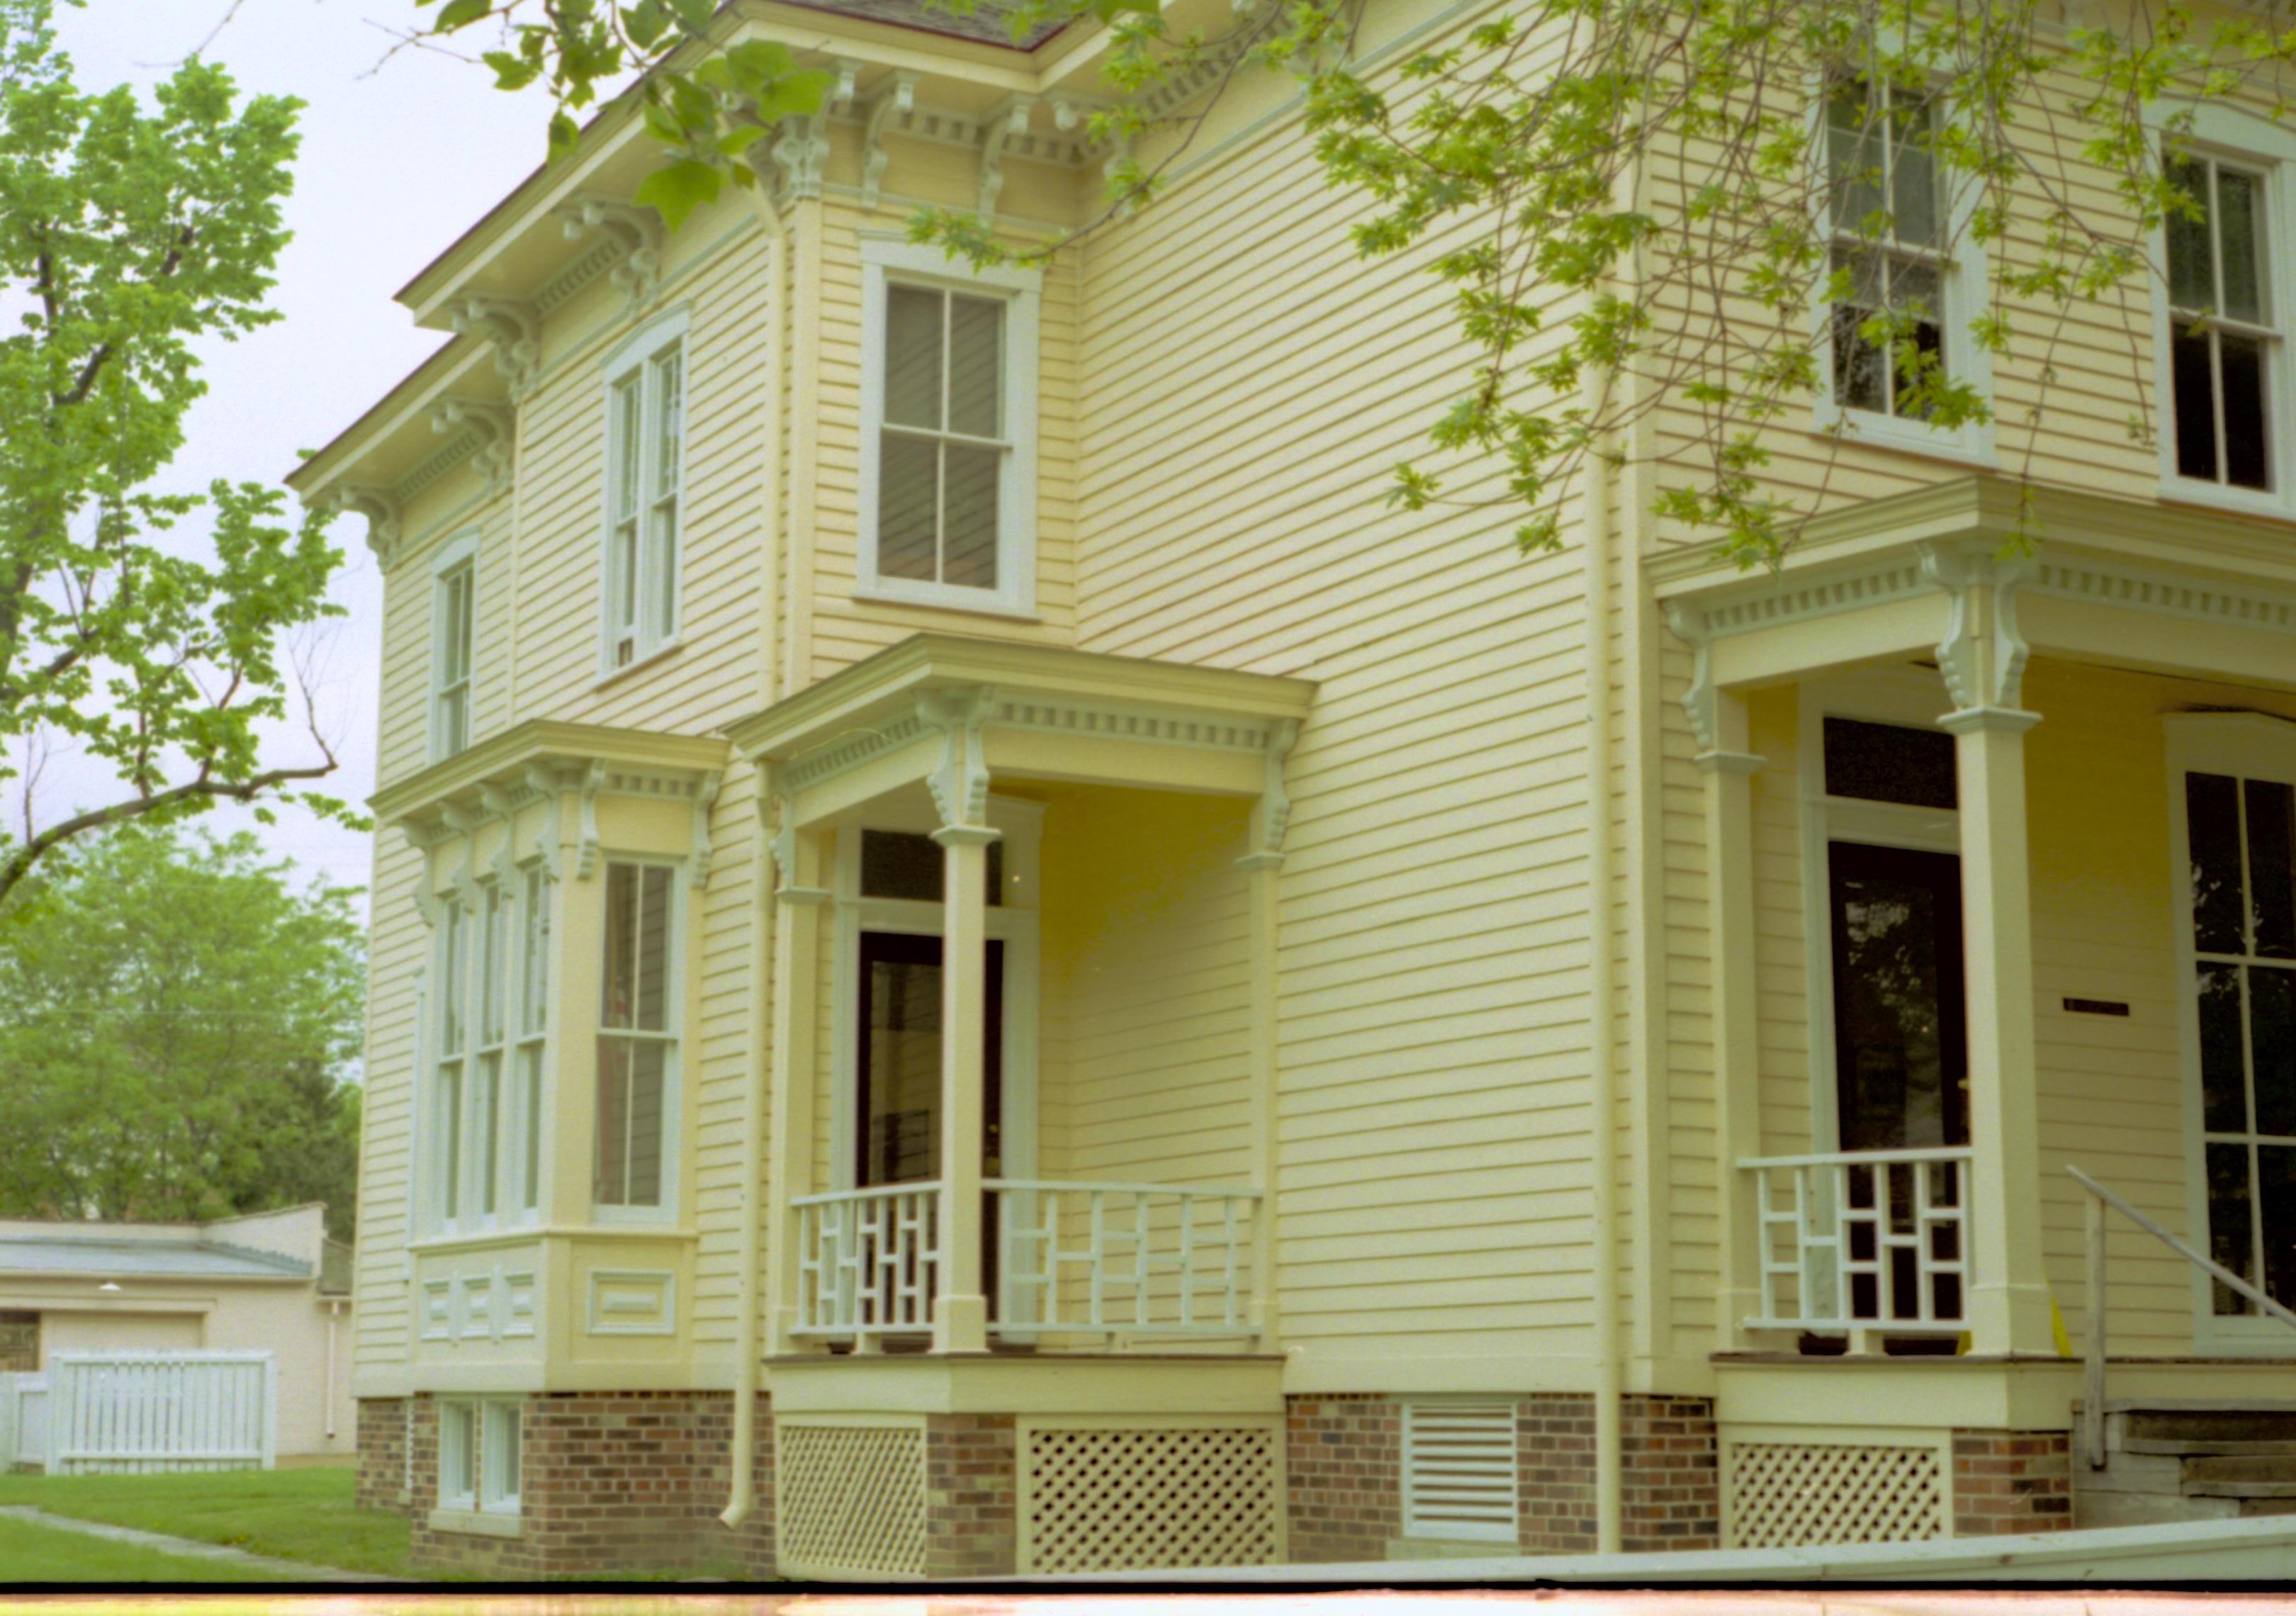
{"points": [[383, 1456], [1670, 1483], [2007, 1482], [1554, 1438], [1343, 1463], [971, 1496]]}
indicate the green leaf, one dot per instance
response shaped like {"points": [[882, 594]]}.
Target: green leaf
{"points": [[462, 13], [565, 135], [676, 189]]}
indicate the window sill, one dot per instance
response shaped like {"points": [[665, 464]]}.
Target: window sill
{"points": [[659, 654], [527, 1233], [476, 1522], [1862, 431], [972, 608], [2232, 502]]}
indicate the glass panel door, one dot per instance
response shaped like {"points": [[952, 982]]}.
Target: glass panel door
{"points": [[2241, 841], [1900, 1038], [896, 1106]]}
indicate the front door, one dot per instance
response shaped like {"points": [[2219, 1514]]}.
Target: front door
{"points": [[1900, 1036]]}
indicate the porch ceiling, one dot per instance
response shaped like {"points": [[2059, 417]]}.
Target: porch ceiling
{"points": [[1046, 713], [2143, 585]]}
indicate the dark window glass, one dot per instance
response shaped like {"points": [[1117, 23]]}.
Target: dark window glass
{"points": [[1900, 1038], [2212, 823], [2272, 883], [2229, 1236], [898, 1058], [2272, 1048], [902, 864], [1890, 763], [2247, 420], [2275, 1185], [2224, 1082], [2195, 404]]}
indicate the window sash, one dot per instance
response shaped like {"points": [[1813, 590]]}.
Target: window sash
{"points": [[502, 1456], [456, 593], [1885, 134], [635, 1147], [458, 1456], [942, 434], [646, 424]]}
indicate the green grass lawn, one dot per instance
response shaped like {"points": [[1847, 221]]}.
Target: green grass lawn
{"points": [[292, 1514], [47, 1554]]}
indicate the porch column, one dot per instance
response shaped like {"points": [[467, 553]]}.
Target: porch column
{"points": [[1729, 768], [1982, 658], [1262, 867], [960, 788], [798, 900]]}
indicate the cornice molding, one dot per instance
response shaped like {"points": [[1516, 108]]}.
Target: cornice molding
{"points": [[520, 768], [385, 527], [634, 236], [485, 431], [512, 326]]}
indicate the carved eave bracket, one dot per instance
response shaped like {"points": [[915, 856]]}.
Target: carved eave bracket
{"points": [[959, 781], [705, 800], [898, 99], [1006, 123], [637, 232], [1271, 811], [1983, 654], [494, 428], [550, 786], [1701, 701], [512, 326], [380, 506], [502, 808], [420, 838], [802, 149], [587, 846]]}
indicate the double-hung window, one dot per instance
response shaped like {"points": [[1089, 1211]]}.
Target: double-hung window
{"points": [[2222, 338], [449, 1085], [638, 1042], [645, 459], [948, 431], [1894, 257], [533, 1040], [490, 1022], [453, 611]]}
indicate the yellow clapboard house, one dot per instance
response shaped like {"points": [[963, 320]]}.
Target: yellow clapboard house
{"points": [[983, 962]]}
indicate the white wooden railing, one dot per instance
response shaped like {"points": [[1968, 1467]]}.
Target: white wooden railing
{"points": [[114, 1411], [868, 1261], [1129, 1258], [1072, 1259], [1853, 1242]]}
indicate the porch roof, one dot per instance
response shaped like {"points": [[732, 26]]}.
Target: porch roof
{"points": [[1047, 713]]}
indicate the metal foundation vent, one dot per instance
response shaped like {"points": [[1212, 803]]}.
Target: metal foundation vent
{"points": [[1459, 1471]]}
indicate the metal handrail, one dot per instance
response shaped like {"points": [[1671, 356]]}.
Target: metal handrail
{"points": [[2093, 1238]]}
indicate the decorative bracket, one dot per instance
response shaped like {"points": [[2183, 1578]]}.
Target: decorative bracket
{"points": [[510, 325], [637, 230], [426, 893], [1698, 702], [959, 783], [802, 150], [586, 851], [1005, 122], [466, 879], [1983, 661], [505, 863], [380, 506], [546, 782], [897, 102], [705, 798], [496, 428], [1271, 814]]}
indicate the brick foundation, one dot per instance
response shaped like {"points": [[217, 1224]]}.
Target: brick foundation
{"points": [[610, 1482], [2012, 1481], [971, 1496], [1344, 1456]]}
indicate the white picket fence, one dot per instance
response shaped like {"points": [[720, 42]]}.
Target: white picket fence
{"points": [[23, 1422], [147, 1411]]}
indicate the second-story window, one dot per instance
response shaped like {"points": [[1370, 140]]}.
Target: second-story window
{"points": [[1889, 233], [453, 615], [637, 1041], [646, 456], [948, 432], [2222, 340]]}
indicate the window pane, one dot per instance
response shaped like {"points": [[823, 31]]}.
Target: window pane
{"points": [[663, 540], [486, 1110], [450, 1139], [612, 1185], [2275, 1187], [909, 505], [669, 420], [621, 945], [1854, 156], [629, 1121], [628, 437], [494, 934], [912, 348], [534, 991], [1860, 367], [976, 367], [2247, 417], [529, 1063], [2272, 1048], [653, 950], [2192, 382], [2229, 1240], [2212, 825], [623, 578], [1899, 1048], [2192, 280], [452, 982], [904, 864], [903, 1080], [2240, 239], [969, 515], [1890, 763], [1913, 175], [2272, 883], [2224, 1079]]}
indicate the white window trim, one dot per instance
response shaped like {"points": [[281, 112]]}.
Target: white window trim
{"points": [[494, 1499], [1013, 922], [2245, 140], [454, 554], [633, 354], [1966, 286], [2258, 748], [884, 259], [459, 1434], [673, 1077], [1911, 698]]}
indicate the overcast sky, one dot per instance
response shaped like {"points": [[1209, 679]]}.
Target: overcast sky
{"points": [[396, 163]]}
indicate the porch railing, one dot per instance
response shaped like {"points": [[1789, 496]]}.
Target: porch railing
{"points": [[1110, 1259], [1071, 1258], [1863, 1240]]}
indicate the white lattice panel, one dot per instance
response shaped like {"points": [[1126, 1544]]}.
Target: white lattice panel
{"points": [[852, 1498], [1146, 1499], [1795, 1495]]}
